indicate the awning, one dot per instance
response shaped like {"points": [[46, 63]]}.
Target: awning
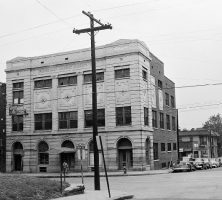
{"points": [[63, 150]]}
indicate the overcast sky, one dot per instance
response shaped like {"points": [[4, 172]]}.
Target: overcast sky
{"points": [[185, 34]]}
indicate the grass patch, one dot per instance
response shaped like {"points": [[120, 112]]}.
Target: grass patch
{"points": [[20, 187]]}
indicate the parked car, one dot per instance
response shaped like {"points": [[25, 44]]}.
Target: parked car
{"points": [[208, 163], [214, 163], [200, 164], [182, 167]]}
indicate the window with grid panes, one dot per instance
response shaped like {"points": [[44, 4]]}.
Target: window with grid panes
{"points": [[17, 123], [43, 121], [146, 116], [174, 146], [123, 116], [168, 121], [167, 99], [163, 147], [89, 118], [172, 101], [173, 123], [162, 120], [68, 120], [155, 151], [160, 84], [43, 149], [154, 118], [46, 83], [18, 93], [70, 80], [122, 73], [144, 75], [99, 77], [169, 147]]}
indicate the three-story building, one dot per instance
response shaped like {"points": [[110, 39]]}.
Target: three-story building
{"points": [[49, 110]]}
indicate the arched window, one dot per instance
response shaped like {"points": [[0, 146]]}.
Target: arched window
{"points": [[68, 144], [43, 151]]}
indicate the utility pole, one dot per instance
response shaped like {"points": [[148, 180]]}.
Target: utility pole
{"points": [[178, 138], [92, 30]]}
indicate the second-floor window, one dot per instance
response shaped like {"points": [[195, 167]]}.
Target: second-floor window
{"points": [[154, 118], [43, 121], [163, 147], [144, 75], [17, 123], [122, 73], [155, 151], [168, 121], [169, 147], [172, 101], [123, 116], [173, 123], [167, 99], [70, 80], [89, 118], [99, 77], [46, 83], [174, 146], [18, 93], [161, 120], [160, 84], [146, 116], [68, 120]]}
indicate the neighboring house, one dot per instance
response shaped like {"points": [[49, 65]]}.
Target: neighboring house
{"points": [[49, 110], [196, 143], [2, 126]]}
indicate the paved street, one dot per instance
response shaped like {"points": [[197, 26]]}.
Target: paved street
{"points": [[206, 184]]}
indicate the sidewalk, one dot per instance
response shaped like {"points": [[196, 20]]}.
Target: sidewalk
{"points": [[98, 195], [102, 174]]}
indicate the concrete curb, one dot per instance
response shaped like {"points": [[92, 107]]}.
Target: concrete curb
{"points": [[122, 197], [92, 175]]}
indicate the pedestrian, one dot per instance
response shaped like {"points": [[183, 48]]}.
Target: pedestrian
{"points": [[65, 166]]}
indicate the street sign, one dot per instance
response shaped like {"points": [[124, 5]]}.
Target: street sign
{"points": [[81, 153]]}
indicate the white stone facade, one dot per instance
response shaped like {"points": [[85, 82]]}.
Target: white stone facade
{"points": [[133, 91]]}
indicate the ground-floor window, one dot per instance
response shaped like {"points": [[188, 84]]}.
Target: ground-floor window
{"points": [[43, 155]]}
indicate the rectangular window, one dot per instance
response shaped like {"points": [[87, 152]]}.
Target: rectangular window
{"points": [[146, 116], [89, 118], [174, 146], [154, 118], [168, 146], [17, 123], [1, 143], [161, 120], [168, 121], [155, 151], [43, 158], [18, 93], [68, 120], [160, 84], [144, 75], [99, 77], [123, 116], [173, 123], [122, 73], [71, 80], [172, 101], [46, 83], [43, 121], [163, 147], [167, 99]]}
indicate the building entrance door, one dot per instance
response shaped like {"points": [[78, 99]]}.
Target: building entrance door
{"points": [[18, 162], [69, 158], [125, 153], [18, 154], [125, 158]]}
